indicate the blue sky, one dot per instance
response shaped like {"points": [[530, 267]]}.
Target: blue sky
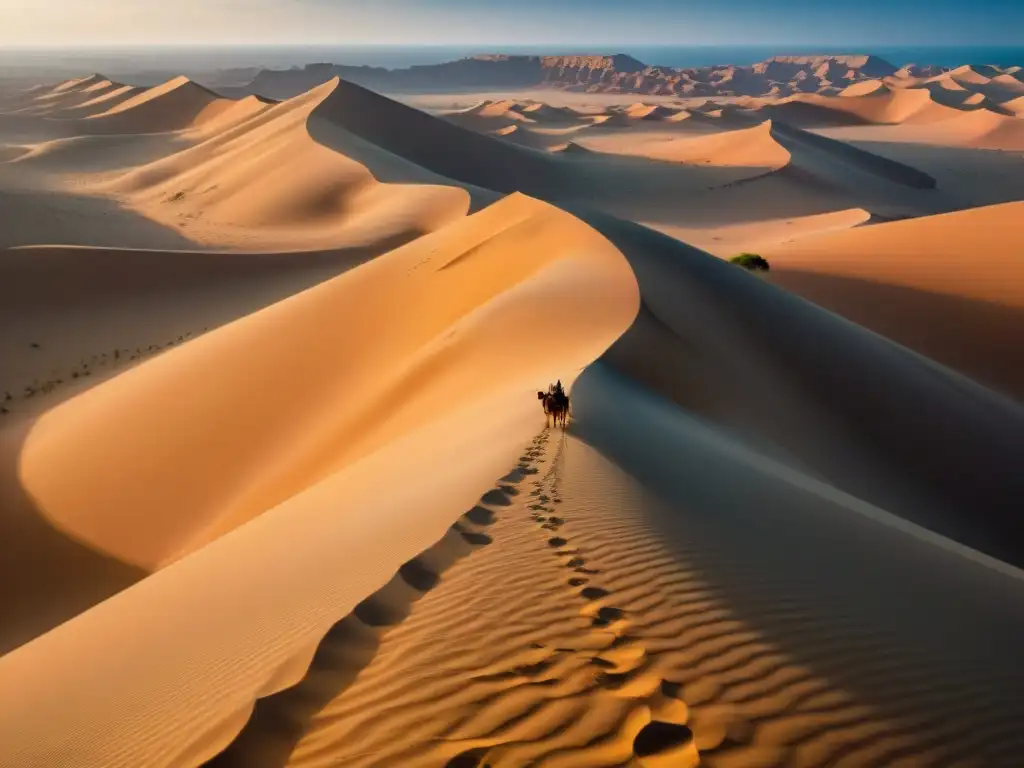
{"points": [[579, 23]]}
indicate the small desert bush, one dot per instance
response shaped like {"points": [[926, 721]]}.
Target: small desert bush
{"points": [[751, 261]]}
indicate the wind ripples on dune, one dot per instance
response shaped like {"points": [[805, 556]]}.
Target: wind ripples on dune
{"points": [[603, 613]]}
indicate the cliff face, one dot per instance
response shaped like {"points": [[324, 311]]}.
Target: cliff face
{"points": [[785, 67], [615, 74], [476, 72]]}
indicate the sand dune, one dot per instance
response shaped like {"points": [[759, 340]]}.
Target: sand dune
{"points": [[301, 185], [524, 137], [62, 101], [880, 105], [673, 613], [749, 147], [936, 284], [488, 116], [78, 83], [974, 75], [905, 477], [1016, 106], [631, 609], [744, 186], [545, 113], [172, 106], [260, 474], [976, 128], [1007, 83], [865, 88], [641, 111], [481, 303], [984, 130], [103, 102]]}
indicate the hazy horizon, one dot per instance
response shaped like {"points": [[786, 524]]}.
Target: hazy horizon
{"points": [[133, 62]]}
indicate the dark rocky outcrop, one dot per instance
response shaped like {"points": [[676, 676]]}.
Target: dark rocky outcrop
{"points": [[617, 73]]}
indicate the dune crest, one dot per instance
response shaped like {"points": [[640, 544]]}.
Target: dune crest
{"points": [[475, 307], [171, 106], [303, 176]]}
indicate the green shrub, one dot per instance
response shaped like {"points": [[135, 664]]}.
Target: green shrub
{"points": [[751, 261]]}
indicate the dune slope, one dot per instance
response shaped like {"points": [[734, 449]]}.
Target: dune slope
{"points": [[950, 286], [263, 508], [761, 361], [306, 390]]}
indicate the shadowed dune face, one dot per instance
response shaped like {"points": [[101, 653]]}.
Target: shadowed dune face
{"points": [[786, 373], [947, 286], [730, 180], [977, 337], [817, 603]]}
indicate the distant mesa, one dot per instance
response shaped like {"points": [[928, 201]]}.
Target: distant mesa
{"points": [[617, 73]]}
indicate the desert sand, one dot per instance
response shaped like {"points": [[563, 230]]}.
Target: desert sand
{"points": [[276, 489]]}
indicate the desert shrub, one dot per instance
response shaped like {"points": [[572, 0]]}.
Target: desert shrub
{"points": [[751, 261]]}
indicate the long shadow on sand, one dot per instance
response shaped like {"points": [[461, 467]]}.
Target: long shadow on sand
{"points": [[279, 721], [926, 639], [874, 419], [360, 123], [786, 448], [47, 576], [48, 216], [979, 338]]}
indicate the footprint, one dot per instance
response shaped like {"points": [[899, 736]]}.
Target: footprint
{"points": [[496, 498], [557, 542], [481, 516], [577, 581], [477, 539], [418, 576], [669, 743], [473, 758], [607, 615], [594, 593]]}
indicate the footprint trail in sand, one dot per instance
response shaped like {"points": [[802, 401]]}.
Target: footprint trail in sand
{"points": [[581, 636]]}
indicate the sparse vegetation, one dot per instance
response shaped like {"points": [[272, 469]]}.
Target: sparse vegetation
{"points": [[86, 367], [751, 261]]}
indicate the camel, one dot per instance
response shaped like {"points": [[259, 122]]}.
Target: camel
{"points": [[556, 407]]}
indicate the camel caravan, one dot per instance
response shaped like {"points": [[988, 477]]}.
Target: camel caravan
{"points": [[556, 404]]}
